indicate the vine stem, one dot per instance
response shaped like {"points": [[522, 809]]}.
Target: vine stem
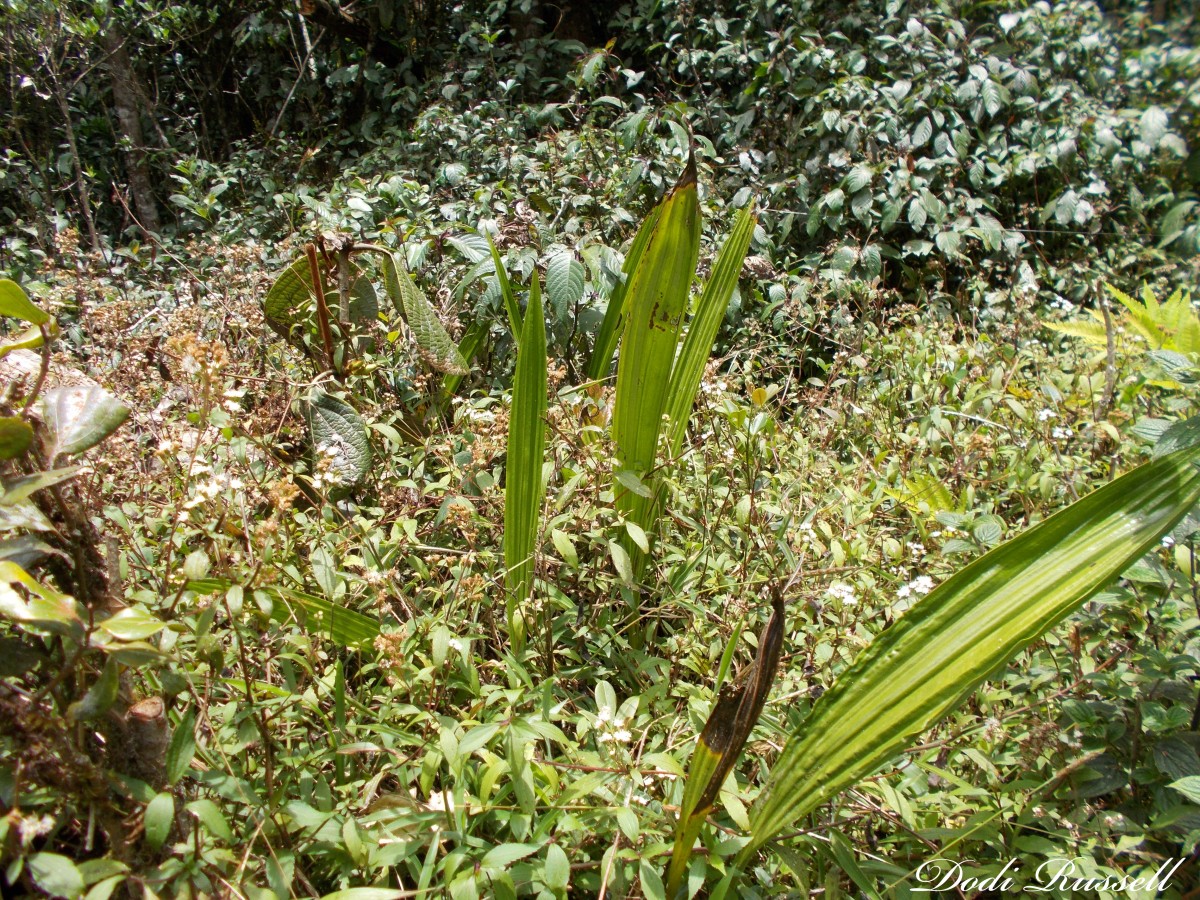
{"points": [[310, 251]]}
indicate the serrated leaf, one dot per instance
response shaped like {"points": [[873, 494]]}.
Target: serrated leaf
{"points": [[992, 99], [871, 260], [922, 133], [473, 247], [1153, 125], [1178, 436], [290, 300], [338, 434], [437, 348], [860, 206], [78, 418], [948, 242], [1189, 787], [917, 215], [1176, 758], [564, 281], [858, 178], [1064, 209], [14, 302]]}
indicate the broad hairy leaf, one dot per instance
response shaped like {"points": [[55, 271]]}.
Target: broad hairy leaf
{"points": [[289, 302], [930, 660], [78, 418], [338, 434], [435, 343], [523, 492], [564, 281]]}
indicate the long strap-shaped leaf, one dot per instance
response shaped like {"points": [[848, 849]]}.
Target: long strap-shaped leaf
{"points": [[435, 344], [655, 304], [506, 292], [710, 310], [944, 646], [523, 491], [697, 348], [614, 316]]}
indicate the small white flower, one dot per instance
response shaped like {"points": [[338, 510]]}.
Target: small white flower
{"points": [[1062, 434], [1168, 541], [1044, 415], [455, 644], [921, 585], [839, 590], [621, 736]]}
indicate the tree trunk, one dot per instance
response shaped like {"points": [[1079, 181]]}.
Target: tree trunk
{"points": [[125, 99], [81, 185]]}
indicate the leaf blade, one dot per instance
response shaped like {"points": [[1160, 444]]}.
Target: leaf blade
{"points": [[920, 668]]}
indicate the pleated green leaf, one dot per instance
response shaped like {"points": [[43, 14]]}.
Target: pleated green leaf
{"points": [[710, 310], [614, 316], [474, 336], [437, 347], [523, 492], [930, 660], [655, 304], [510, 299]]}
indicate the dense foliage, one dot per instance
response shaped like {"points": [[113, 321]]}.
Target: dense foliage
{"points": [[401, 574]]}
